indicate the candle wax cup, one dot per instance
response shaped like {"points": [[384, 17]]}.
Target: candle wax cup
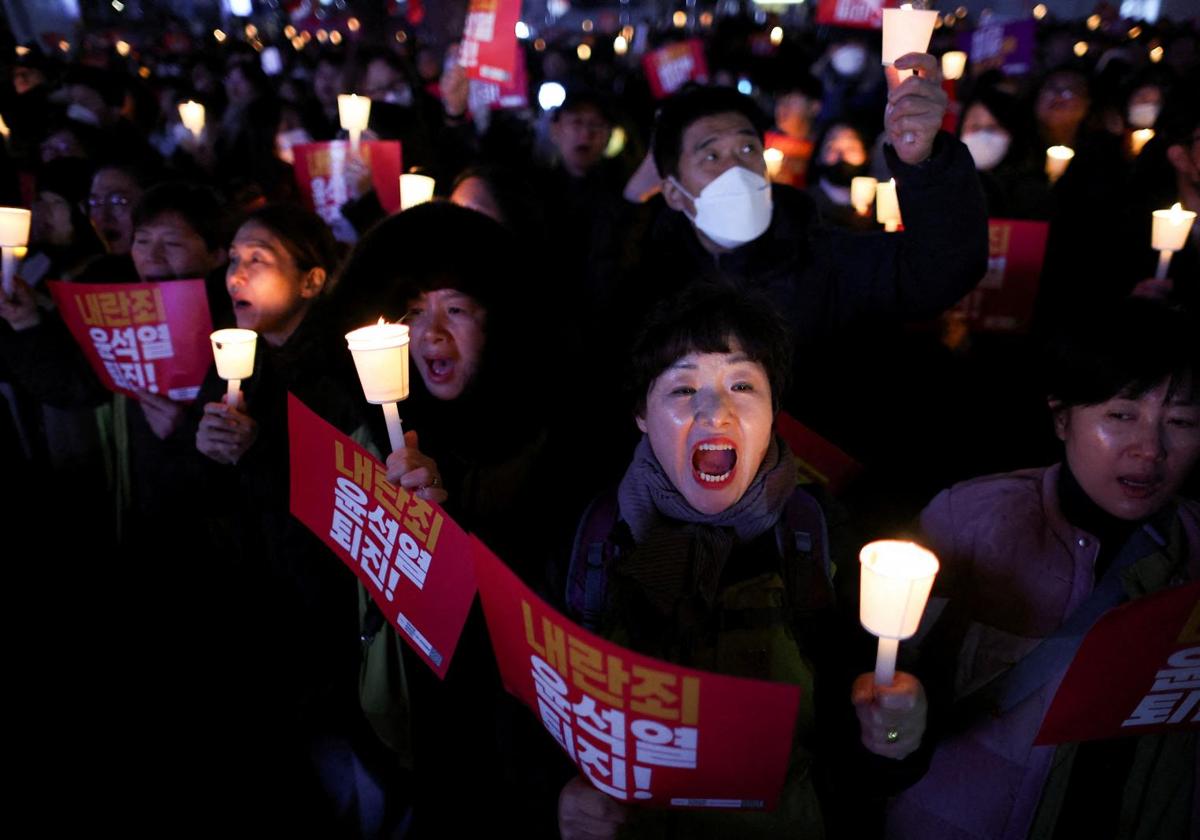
{"points": [[14, 227], [1171, 229], [896, 579], [906, 31], [381, 358], [233, 351], [191, 114], [953, 64], [887, 203], [354, 112], [862, 192], [415, 189]]}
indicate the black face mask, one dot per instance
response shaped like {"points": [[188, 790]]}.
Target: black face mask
{"points": [[840, 174]]}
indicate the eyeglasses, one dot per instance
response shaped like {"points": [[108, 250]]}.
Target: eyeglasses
{"points": [[113, 200]]}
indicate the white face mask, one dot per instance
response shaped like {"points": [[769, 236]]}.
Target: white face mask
{"points": [[1143, 115], [734, 208], [987, 147], [848, 60]]}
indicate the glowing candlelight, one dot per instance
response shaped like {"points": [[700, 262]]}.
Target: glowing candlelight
{"points": [[887, 205], [954, 63], [862, 193], [233, 351], [896, 579], [774, 160], [1058, 158], [191, 114], [1170, 233], [415, 189], [354, 112], [1140, 138], [906, 30], [380, 354], [14, 233]]}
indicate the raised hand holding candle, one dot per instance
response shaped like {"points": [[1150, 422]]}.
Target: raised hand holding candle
{"points": [[906, 30], [1170, 233], [896, 579], [415, 189], [887, 205], [233, 351], [862, 193], [1058, 158], [14, 234], [354, 112], [380, 354], [1139, 139], [191, 114]]}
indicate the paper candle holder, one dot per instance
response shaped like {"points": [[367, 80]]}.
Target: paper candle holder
{"points": [[887, 205], [191, 114], [1058, 158], [862, 193], [14, 234], [906, 30], [415, 189], [233, 351], [896, 578]]}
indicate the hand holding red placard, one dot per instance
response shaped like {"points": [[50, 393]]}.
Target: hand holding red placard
{"points": [[1137, 672], [141, 337], [411, 557], [639, 729], [328, 174]]}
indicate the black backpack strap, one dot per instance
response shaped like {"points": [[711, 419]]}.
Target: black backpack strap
{"points": [[804, 546], [591, 556]]}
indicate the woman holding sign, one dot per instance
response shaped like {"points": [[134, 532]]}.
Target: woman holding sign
{"points": [[1030, 561], [716, 560]]}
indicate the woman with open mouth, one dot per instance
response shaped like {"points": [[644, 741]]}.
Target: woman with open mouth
{"points": [[1031, 559], [705, 546]]}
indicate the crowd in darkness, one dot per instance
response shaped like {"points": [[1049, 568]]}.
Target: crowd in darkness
{"points": [[611, 303]]}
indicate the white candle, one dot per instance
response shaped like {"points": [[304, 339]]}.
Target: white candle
{"points": [[380, 354], [906, 30], [354, 112], [191, 114], [3, 128], [774, 160], [1058, 158], [1140, 138], [862, 193], [14, 233], [233, 351], [887, 205], [896, 579], [415, 189], [953, 64], [1169, 234]]}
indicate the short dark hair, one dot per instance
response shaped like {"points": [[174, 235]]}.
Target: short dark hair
{"points": [[1123, 348], [694, 103], [581, 99], [707, 318], [305, 236], [198, 205]]}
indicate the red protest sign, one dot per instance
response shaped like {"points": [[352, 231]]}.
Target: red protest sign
{"points": [[860, 14], [671, 67], [489, 37], [818, 460], [1003, 301], [320, 170], [640, 729], [483, 94], [409, 555], [141, 336], [1137, 672]]}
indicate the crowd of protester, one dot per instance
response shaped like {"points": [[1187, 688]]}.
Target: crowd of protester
{"points": [[610, 305]]}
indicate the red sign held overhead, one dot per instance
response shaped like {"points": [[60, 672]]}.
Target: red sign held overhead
{"points": [[411, 557], [321, 174], [488, 38], [671, 67], [141, 336], [860, 14], [1137, 672], [640, 729]]}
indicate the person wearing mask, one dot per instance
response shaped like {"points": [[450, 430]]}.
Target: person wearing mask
{"points": [[1010, 166], [841, 156]]}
